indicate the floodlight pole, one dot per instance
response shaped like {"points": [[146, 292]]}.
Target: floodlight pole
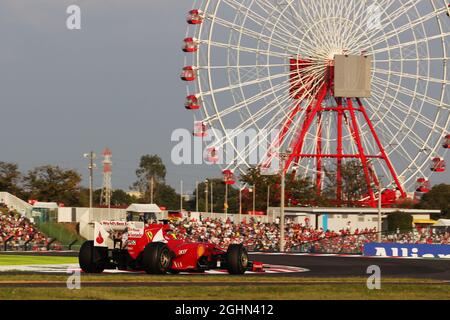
{"points": [[240, 204], [196, 196], [225, 207], [379, 213], [283, 158]]}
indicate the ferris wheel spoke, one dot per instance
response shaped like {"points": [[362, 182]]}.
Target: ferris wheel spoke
{"points": [[390, 18], [245, 84], [279, 118], [412, 43], [256, 18], [263, 22], [358, 38], [394, 33], [247, 49], [399, 124], [264, 94], [254, 99], [412, 76], [252, 34], [408, 110], [417, 59], [397, 145], [411, 94]]}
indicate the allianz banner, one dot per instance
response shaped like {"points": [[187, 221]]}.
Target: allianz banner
{"points": [[439, 251]]}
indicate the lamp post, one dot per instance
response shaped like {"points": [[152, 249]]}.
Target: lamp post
{"points": [[181, 195], [91, 157], [206, 196], [254, 198], [240, 205]]}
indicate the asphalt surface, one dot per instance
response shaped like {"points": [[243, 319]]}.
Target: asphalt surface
{"points": [[336, 266]]}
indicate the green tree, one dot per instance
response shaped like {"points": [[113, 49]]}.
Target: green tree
{"points": [[10, 177], [437, 198], [218, 188], [299, 190], [119, 198], [399, 220], [165, 196], [150, 167], [354, 185], [52, 183]]}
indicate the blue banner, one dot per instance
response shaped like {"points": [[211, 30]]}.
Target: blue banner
{"points": [[438, 251]]}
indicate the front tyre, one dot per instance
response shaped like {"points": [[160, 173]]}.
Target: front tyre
{"points": [[237, 259], [92, 259], [157, 258]]}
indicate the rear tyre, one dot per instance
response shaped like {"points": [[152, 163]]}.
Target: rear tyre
{"points": [[157, 258], [237, 259], [92, 259]]}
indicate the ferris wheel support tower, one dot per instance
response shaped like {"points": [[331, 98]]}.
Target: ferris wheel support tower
{"points": [[345, 76]]}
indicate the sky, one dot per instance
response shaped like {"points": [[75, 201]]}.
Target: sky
{"points": [[114, 83]]}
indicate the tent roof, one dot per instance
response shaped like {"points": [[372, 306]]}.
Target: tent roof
{"points": [[442, 223], [144, 208], [45, 205]]}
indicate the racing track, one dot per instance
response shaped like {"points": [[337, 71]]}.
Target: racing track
{"points": [[356, 266], [339, 266]]}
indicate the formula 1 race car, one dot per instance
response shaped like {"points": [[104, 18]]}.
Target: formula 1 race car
{"points": [[156, 249]]}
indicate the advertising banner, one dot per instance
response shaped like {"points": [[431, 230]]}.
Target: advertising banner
{"points": [[438, 251]]}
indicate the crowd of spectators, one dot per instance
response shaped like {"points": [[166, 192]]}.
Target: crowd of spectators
{"points": [[17, 230], [258, 236]]}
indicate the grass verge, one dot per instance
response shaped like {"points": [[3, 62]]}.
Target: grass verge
{"points": [[295, 292], [11, 260]]}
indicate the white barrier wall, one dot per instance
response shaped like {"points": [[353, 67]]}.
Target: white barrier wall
{"points": [[15, 203]]}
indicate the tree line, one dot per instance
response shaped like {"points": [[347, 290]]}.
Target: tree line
{"points": [[56, 184]]}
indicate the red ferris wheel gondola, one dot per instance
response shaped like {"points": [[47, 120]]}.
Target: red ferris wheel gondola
{"points": [[213, 155], [195, 17], [438, 164], [192, 103], [423, 185], [200, 129], [188, 74], [228, 177], [446, 144], [190, 45]]}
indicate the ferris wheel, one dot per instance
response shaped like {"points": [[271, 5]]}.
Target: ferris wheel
{"points": [[270, 70]]}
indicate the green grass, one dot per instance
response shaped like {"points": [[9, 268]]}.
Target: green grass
{"points": [[12, 260], [295, 292]]}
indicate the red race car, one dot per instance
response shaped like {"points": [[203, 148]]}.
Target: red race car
{"points": [[156, 249]]}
